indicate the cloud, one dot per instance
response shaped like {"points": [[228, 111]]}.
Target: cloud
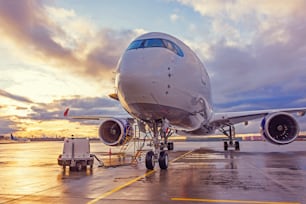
{"points": [[240, 9], [25, 22], [62, 39], [6, 126], [301, 101], [14, 97], [256, 53], [246, 18], [43, 34], [78, 106], [9, 124], [47, 118], [174, 17], [273, 70]]}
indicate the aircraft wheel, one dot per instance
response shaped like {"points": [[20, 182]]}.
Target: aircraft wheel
{"points": [[170, 146], [79, 166], [237, 146], [150, 162], [163, 160], [225, 146]]}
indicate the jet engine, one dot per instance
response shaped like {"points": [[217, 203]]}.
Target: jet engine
{"points": [[116, 132], [280, 128]]}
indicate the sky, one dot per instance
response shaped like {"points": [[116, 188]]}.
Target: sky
{"points": [[62, 53]]}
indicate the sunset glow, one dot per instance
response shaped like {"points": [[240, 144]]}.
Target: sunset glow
{"points": [[59, 54]]}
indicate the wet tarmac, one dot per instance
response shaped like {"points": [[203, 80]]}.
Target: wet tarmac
{"points": [[200, 172]]}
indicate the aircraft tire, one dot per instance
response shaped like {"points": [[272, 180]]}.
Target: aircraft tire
{"points": [[237, 146], [150, 163], [170, 146], [79, 166], [225, 146], [163, 160]]}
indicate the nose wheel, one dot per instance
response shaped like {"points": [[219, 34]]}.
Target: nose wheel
{"points": [[158, 154], [150, 160], [163, 160]]}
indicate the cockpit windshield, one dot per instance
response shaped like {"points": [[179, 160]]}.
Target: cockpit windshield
{"points": [[156, 42], [135, 44], [153, 43]]}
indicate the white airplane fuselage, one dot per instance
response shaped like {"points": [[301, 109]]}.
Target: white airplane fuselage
{"points": [[162, 83], [159, 77]]}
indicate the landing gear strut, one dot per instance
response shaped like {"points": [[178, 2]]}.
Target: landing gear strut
{"points": [[229, 131], [160, 132]]}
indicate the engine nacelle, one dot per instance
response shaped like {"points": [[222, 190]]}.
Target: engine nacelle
{"points": [[115, 132], [280, 128]]}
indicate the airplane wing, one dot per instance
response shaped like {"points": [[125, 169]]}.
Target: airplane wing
{"points": [[84, 117], [231, 118], [94, 117]]}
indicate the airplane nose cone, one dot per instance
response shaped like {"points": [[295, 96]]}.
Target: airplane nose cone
{"points": [[130, 77], [130, 63], [138, 75]]}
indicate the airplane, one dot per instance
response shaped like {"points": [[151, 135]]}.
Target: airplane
{"points": [[14, 138], [165, 87]]}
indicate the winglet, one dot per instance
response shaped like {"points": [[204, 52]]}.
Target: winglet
{"points": [[66, 112], [114, 96]]}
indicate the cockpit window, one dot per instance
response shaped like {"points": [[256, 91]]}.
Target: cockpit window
{"points": [[178, 50], [156, 42], [135, 44]]}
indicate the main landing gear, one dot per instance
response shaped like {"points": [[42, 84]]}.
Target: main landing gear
{"points": [[160, 133], [231, 142]]}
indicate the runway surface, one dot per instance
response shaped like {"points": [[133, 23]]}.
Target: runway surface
{"points": [[200, 172]]}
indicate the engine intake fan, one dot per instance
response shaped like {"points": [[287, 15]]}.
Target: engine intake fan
{"points": [[115, 132], [280, 128]]}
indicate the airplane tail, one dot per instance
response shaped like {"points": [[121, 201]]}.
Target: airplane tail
{"points": [[12, 137], [66, 112]]}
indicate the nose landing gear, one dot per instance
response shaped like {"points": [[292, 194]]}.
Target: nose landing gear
{"points": [[158, 154]]}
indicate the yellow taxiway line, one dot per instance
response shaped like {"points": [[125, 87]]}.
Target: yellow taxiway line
{"points": [[180, 157], [108, 193], [230, 201], [120, 187]]}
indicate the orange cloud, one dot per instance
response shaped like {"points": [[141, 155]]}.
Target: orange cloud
{"points": [[14, 97], [238, 9], [30, 26]]}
